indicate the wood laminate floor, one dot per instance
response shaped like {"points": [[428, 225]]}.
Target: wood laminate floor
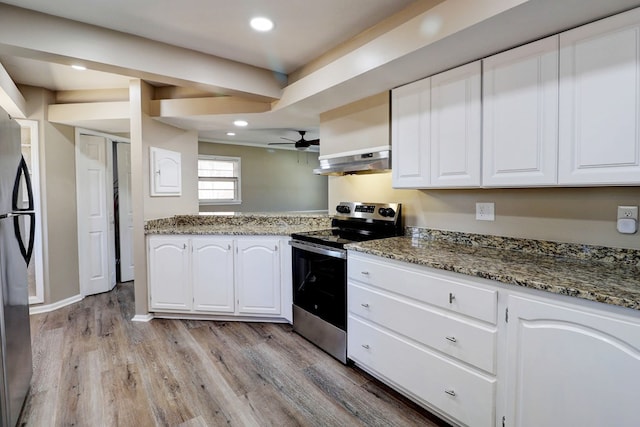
{"points": [[94, 367]]}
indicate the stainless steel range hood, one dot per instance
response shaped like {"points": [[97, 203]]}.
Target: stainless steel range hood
{"points": [[376, 161]]}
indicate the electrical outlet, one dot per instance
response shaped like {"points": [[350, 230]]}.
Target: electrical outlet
{"points": [[630, 212], [485, 211]]}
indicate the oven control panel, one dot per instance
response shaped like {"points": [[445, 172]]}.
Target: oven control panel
{"points": [[369, 211]]}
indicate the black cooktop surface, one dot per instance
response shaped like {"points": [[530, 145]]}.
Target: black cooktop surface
{"points": [[336, 237]]}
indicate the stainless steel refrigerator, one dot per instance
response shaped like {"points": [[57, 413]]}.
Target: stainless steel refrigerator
{"points": [[17, 222]]}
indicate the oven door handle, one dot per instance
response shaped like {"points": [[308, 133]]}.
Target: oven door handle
{"points": [[335, 253]]}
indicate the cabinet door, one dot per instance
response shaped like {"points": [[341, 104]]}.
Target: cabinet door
{"points": [[410, 134], [166, 172], [520, 116], [570, 367], [258, 276], [456, 127], [169, 278], [599, 108], [212, 267]]}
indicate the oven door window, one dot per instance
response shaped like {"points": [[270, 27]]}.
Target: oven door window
{"points": [[320, 286]]}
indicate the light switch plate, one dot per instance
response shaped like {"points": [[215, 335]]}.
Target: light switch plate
{"points": [[485, 211]]}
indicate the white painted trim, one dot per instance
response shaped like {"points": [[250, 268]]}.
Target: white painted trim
{"points": [[46, 308], [220, 318], [356, 152], [142, 317]]}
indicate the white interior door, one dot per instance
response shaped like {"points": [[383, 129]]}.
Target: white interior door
{"points": [[125, 212], [96, 247]]}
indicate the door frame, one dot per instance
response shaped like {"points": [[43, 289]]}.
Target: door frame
{"points": [[110, 140]]}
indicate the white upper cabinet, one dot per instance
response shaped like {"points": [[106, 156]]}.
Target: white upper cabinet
{"points": [[410, 120], [166, 172], [435, 130], [520, 116], [456, 127], [600, 102]]}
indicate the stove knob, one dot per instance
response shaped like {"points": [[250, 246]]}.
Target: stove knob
{"points": [[386, 212], [343, 209]]}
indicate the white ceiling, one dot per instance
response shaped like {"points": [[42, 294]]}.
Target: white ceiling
{"points": [[304, 30]]}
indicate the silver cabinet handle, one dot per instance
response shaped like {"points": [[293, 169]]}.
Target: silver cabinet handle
{"points": [[450, 392], [452, 339], [184, 246], [451, 298], [229, 247], [365, 305], [365, 273], [365, 346]]}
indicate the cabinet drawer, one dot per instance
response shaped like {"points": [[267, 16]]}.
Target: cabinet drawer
{"points": [[452, 294], [455, 390], [449, 334]]}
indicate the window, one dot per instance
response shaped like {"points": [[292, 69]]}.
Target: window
{"points": [[219, 180]]}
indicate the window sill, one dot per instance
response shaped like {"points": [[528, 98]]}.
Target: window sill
{"points": [[221, 202]]}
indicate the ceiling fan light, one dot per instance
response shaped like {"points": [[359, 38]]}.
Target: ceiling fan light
{"points": [[231, 134]]}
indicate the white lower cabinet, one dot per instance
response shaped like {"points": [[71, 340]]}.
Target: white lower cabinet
{"points": [[169, 273], [258, 276], [546, 360], [430, 335], [212, 269], [240, 276], [570, 366]]}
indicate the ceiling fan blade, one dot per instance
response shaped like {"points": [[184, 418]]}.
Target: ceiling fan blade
{"points": [[281, 143], [313, 142], [288, 139]]}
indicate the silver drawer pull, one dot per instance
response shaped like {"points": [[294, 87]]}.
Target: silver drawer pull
{"points": [[451, 298], [365, 305], [365, 346], [450, 392], [364, 273], [452, 339]]}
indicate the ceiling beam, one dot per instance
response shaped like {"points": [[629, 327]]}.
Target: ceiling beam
{"points": [[186, 107], [11, 99], [44, 37]]}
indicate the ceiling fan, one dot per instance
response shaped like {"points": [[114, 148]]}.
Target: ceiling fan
{"points": [[301, 144]]}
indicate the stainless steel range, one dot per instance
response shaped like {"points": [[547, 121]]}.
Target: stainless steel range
{"points": [[320, 270]]}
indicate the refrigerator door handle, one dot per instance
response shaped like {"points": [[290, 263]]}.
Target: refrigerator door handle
{"points": [[25, 251], [23, 170]]}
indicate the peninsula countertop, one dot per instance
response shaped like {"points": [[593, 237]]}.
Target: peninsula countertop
{"points": [[239, 224], [606, 275]]}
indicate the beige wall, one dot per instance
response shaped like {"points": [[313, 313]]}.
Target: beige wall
{"points": [[147, 132], [273, 181], [357, 126], [58, 193], [578, 215], [156, 134]]}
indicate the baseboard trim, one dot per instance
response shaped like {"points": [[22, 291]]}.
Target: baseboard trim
{"points": [[46, 308], [142, 317]]}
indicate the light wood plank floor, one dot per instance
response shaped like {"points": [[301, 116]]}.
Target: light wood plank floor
{"points": [[94, 367]]}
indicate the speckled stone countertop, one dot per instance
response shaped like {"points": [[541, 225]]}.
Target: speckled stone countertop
{"points": [[239, 224], [602, 274]]}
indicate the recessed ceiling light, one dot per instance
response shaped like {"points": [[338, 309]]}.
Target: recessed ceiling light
{"points": [[231, 134], [261, 24], [241, 123], [79, 67]]}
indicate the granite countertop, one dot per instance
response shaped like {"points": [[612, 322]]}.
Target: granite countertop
{"points": [[606, 275], [255, 224]]}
